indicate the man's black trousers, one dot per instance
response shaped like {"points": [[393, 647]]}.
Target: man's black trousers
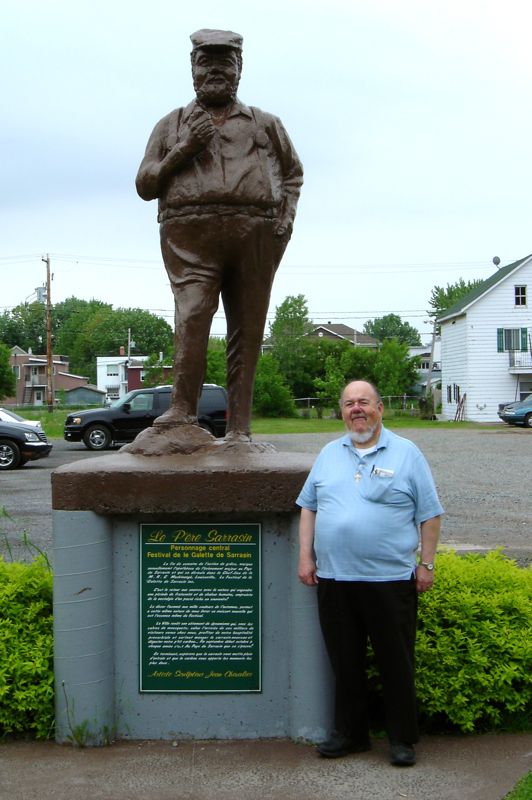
{"points": [[351, 612]]}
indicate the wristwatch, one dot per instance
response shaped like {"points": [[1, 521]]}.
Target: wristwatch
{"points": [[427, 564]]}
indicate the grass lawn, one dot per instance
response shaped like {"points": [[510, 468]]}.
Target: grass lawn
{"points": [[53, 422], [522, 790]]}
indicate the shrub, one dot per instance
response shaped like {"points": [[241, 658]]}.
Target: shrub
{"points": [[271, 395], [474, 645], [26, 642]]}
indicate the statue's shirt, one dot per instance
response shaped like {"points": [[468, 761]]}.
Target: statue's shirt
{"points": [[249, 165]]}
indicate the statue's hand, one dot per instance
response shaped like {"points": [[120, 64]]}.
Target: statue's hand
{"points": [[198, 132], [282, 227]]}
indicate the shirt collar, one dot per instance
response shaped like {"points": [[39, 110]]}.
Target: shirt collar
{"points": [[237, 109]]}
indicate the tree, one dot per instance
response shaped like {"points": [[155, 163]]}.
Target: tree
{"points": [[104, 330], [389, 368], [395, 373], [271, 395], [7, 376], [291, 320], [68, 319], [216, 370], [391, 326], [341, 367], [441, 299], [25, 326], [289, 343]]}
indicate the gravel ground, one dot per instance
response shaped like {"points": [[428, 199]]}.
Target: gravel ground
{"points": [[481, 480], [480, 474]]}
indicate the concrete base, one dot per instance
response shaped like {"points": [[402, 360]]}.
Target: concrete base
{"points": [[98, 507]]}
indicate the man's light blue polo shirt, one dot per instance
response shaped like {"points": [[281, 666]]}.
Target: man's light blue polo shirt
{"points": [[369, 508]]}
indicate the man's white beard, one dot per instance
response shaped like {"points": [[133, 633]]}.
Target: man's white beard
{"points": [[362, 438]]}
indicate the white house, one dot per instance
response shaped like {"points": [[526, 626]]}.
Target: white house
{"points": [[425, 371], [486, 345], [112, 374]]}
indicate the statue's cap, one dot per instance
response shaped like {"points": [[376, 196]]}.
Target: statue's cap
{"points": [[211, 38]]}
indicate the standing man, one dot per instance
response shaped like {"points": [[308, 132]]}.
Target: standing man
{"points": [[228, 180], [365, 505]]}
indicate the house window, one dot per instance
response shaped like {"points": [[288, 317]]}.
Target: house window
{"points": [[16, 371], [512, 339], [449, 393], [520, 295], [425, 365], [112, 370]]}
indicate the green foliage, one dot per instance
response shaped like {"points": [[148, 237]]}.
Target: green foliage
{"points": [[271, 395], [290, 346], [105, 329], [522, 790], [26, 642], [395, 373], [474, 645], [291, 320], [216, 371], [443, 298], [388, 367], [7, 376], [69, 318], [155, 373], [391, 326], [25, 325], [84, 329]]}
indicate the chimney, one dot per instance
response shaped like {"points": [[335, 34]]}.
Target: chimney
{"points": [[122, 351]]}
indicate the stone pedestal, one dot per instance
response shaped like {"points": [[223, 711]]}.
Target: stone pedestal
{"points": [[99, 505]]}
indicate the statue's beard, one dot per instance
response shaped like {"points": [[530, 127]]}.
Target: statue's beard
{"points": [[216, 93]]}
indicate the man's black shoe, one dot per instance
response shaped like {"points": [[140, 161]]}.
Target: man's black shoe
{"points": [[402, 755], [339, 745]]}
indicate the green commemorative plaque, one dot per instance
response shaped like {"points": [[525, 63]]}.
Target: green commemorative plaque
{"points": [[200, 613]]}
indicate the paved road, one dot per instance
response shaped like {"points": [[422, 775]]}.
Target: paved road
{"points": [[483, 478]]}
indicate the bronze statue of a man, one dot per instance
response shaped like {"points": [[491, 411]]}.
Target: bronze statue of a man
{"points": [[228, 180]]}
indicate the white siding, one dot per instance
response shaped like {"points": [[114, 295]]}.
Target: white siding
{"points": [[454, 363], [105, 381], [469, 349]]}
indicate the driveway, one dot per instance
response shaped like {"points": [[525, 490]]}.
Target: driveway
{"points": [[482, 478]]}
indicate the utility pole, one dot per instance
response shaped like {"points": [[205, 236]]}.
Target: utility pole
{"points": [[49, 350], [428, 388]]}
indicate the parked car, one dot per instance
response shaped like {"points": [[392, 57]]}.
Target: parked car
{"points": [[519, 413], [20, 443], [129, 415], [10, 416]]}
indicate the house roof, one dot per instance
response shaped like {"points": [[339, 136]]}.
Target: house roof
{"points": [[345, 332], [89, 386], [475, 294]]}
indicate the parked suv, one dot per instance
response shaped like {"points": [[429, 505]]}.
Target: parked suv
{"points": [[20, 443], [99, 428]]}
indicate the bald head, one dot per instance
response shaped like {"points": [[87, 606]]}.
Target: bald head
{"points": [[362, 411]]}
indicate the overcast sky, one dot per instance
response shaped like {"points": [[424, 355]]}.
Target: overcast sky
{"points": [[413, 119]]}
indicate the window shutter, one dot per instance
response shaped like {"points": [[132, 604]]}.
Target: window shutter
{"points": [[524, 342], [500, 340]]}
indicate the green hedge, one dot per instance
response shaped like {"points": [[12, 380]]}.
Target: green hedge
{"points": [[474, 646], [474, 651], [26, 646]]}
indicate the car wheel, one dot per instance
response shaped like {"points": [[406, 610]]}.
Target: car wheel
{"points": [[528, 420], [97, 437], [10, 457]]}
